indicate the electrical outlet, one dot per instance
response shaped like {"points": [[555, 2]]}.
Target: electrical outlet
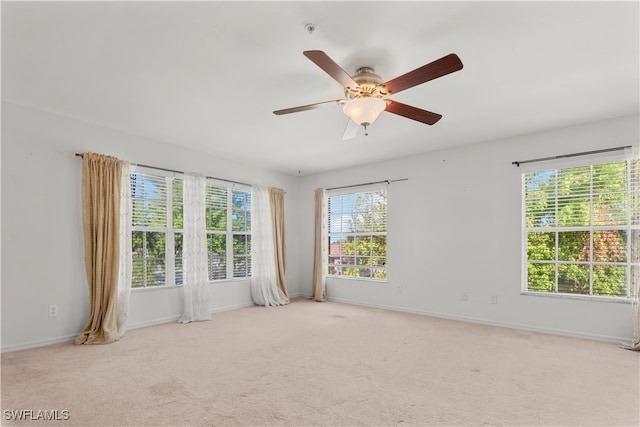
{"points": [[465, 296], [53, 310], [494, 299], [398, 289]]}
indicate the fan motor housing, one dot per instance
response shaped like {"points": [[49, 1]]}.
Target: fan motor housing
{"points": [[369, 85]]}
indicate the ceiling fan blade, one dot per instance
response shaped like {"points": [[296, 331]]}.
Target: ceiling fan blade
{"points": [[307, 107], [351, 130], [413, 113], [438, 68], [323, 61]]}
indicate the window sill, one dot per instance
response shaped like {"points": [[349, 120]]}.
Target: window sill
{"points": [[226, 281], [155, 288], [617, 300], [359, 279]]}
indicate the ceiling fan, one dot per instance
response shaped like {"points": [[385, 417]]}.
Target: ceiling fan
{"points": [[365, 91]]}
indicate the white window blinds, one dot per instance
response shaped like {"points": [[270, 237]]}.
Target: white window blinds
{"points": [[581, 228], [358, 233], [149, 200]]}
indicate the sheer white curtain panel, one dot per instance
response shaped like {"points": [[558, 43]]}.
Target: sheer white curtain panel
{"points": [[635, 252], [194, 255], [124, 268], [264, 281]]}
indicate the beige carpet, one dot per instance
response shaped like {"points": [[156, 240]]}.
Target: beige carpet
{"points": [[326, 364]]}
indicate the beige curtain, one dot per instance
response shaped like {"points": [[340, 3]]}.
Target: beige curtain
{"points": [[101, 178], [319, 257], [276, 198]]}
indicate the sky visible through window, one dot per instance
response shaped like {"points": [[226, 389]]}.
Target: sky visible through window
{"points": [[344, 222]]}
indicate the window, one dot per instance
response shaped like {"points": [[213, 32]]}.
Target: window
{"points": [[156, 230], [157, 234], [228, 232], [581, 229], [358, 234]]}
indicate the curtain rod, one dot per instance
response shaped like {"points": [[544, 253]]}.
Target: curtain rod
{"points": [[564, 156], [176, 171], [388, 181]]}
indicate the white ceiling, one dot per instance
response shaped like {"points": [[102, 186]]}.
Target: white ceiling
{"points": [[207, 75]]}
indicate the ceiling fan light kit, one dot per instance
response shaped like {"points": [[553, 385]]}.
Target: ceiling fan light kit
{"points": [[364, 111], [365, 91]]}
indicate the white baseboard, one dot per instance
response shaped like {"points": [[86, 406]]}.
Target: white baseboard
{"points": [[69, 338], [299, 295], [40, 343], [153, 322], [232, 307], [552, 331], [175, 318]]}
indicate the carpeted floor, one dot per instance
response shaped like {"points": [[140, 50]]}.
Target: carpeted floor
{"points": [[326, 364]]}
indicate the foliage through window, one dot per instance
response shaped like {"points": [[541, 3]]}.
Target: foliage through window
{"points": [[157, 234], [358, 234], [582, 229]]}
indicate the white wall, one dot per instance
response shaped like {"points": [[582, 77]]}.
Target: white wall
{"points": [[455, 226], [42, 244]]}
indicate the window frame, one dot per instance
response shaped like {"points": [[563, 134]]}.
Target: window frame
{"points": [[628, 229], [353, 191]]}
